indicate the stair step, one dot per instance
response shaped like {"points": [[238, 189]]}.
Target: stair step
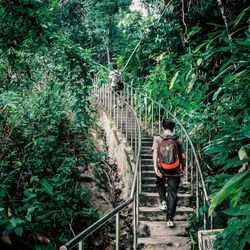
{"points": [[147, 156], [183, 184], [147, 171], [152, 199], [146, 150], [153, 194], [165, 243], [184, 187], [148, 167], [147, 147], [147, 160], [133, 132], [158, 228], [155, 214], [145, 144], [151, 179]]}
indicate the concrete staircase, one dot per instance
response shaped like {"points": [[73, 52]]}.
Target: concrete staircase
{"points": [[156, 234], [161, 237]]}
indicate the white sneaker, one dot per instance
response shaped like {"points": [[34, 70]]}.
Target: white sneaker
{"points": [[170, 223], [163, 206]]}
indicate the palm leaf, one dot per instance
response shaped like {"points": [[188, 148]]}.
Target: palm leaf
{"points": [[227, 190]]}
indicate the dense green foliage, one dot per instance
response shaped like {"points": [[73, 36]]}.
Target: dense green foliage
{"points": [[46, 78]]}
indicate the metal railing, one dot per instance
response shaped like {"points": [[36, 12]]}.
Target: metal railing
{"points": [[150, 113], [131, 128]]}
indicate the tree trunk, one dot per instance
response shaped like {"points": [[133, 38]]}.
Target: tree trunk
{"points": [[108, 54], [222, 10]]}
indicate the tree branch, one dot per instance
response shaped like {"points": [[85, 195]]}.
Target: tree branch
{"points": [[183, 20]]}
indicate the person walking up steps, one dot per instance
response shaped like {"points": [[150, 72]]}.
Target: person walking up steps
{"points": [[116, 84], [169, 158], [115, 79]]}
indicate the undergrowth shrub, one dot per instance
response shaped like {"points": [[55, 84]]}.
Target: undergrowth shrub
{"points": [[42, 146]]}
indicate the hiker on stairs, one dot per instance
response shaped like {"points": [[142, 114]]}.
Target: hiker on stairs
{"points": [[115, 80], [116, 84], [169, 159]]}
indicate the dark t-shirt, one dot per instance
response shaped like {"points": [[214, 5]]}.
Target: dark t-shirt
{"points": [[181, 150]]}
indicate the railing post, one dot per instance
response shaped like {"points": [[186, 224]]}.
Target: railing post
{"points": [[136, 138], [117, 231], [117, 109], [80, 245], [192, 173], [135, 101], [197, 191], [108, 99], [131, 96], [152, 111], [137, 200], [211, 221], [126, 123], [134, 224], [127, 93], [159, 120], [187, 153], [139, 175], [113, 107], [122, 118], [110, 102], [140, 105], [204, 215], [105, 95], [131, 129]]}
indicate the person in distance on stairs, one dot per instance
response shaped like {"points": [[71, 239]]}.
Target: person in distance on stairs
{"points": [[115, 83], [169, 159]]}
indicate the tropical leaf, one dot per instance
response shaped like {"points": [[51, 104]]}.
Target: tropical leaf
{"points": [[241, 15], [227, 190], [171, 84], [238, 211], [242, 153], [47, 186]]}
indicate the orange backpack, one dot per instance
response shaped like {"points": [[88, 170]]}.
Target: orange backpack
{"points": [[168, 154]]}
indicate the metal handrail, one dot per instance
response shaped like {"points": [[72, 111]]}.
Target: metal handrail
{"points": [[81, 236], [131, 91], [136, 97], [131, 94], [183, 129]]}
